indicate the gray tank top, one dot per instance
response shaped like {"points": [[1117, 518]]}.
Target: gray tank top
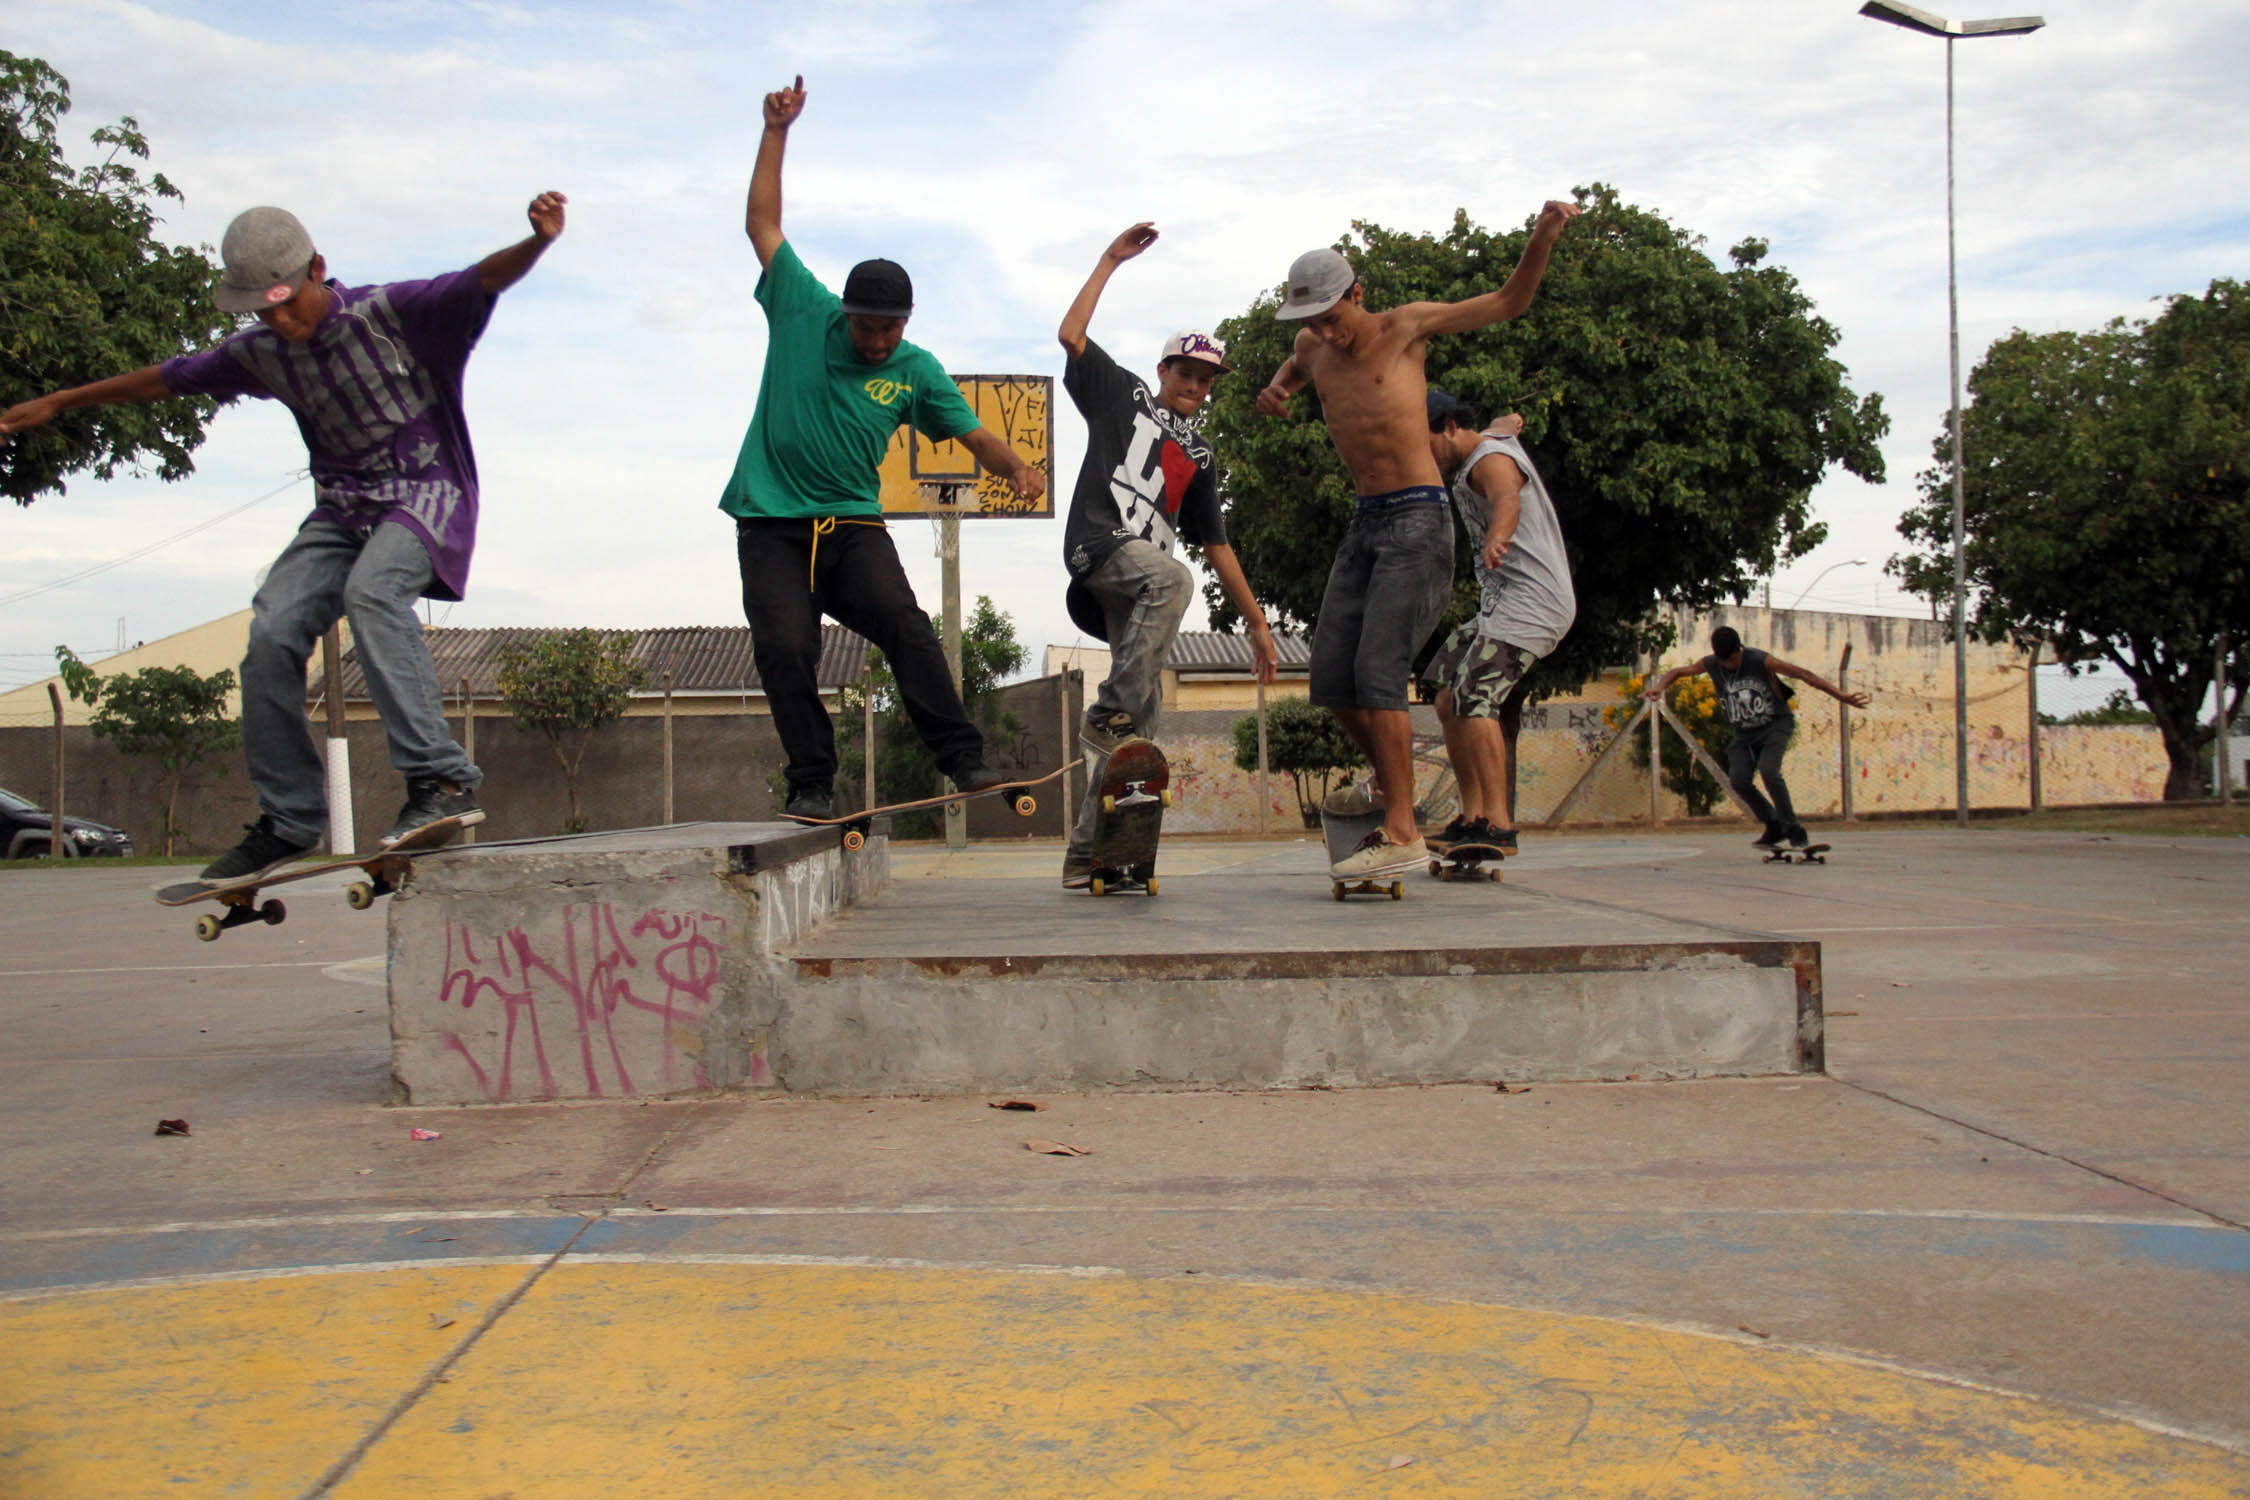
{"points": [[1527, 600]]}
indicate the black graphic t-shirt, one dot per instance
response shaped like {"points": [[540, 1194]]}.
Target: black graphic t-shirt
{"points": [[1751, 694], [1148, 473]]}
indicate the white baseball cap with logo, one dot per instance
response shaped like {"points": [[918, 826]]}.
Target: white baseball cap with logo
{"points": [[1190, 343], [268, 257], [1318, 280]]}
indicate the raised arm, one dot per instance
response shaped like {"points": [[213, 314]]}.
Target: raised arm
{"points": [[1132, 242], [1264, 660], [1512, 300], [145, 384], [1287, 381], [762, 220], [1814, 679], [504, 268], [1501, 482], [1663, 685], [996, 455]]}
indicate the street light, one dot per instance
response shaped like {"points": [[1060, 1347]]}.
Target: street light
{"points": [[1923, 21], [1854, 562]]}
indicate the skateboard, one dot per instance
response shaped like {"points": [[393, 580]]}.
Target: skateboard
{"points": [[1811, 854], [1343, 831], [1135, 787], [857, 825], [386, 871], [1466, 861]]}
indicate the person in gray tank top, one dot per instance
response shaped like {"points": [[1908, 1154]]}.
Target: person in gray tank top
{"points": [[1526, 606]]}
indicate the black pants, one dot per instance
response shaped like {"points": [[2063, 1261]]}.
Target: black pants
{"points": [[853, 577], [1759, 751]]}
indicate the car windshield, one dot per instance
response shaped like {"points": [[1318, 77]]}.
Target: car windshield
{"points": [[10, 802]]}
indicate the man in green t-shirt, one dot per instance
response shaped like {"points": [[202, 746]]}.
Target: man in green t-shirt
{"points": [[839, 379]]}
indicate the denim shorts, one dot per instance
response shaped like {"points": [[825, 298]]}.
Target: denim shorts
{"points": [[1386, 593]]}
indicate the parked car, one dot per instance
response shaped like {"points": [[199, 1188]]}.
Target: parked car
{"points": [[25, 828]]}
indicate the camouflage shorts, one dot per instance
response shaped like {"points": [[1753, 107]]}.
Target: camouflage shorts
{"points": [[1479, 669]]}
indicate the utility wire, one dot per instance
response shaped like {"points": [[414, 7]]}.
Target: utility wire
{"points": [[119, 562]]}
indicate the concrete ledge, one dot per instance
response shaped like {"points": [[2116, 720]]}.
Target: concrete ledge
{"points": [[611, 965], [1298, 1018]]}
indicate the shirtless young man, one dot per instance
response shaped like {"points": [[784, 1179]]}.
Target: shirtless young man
{"points": [[1394, 571]]}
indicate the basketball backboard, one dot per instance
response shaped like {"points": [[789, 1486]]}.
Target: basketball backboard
{"points": [[1019, 409]]}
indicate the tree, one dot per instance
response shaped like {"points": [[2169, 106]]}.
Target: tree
{"points": [[2117, 708], [904, 767], [2107, 505], [87, 292], [1695, 703], [1680, 414], [1304, 740], [172, 715], [566, 685]]}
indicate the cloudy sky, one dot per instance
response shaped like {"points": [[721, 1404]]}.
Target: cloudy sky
{"points": [[995, 148]]}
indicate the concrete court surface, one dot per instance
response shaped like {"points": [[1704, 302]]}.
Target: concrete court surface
{"points": [[2003, 1248]]}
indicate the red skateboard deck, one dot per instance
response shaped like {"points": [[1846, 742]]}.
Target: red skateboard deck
{"points": [[1135, 788]]}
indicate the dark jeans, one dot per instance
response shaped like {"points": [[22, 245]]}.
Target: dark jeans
{"points": [[1759, 750], [855, 579], [1386, 592]]}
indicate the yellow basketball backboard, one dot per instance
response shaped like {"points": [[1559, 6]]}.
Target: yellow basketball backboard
{"points": [[1020, 410]]}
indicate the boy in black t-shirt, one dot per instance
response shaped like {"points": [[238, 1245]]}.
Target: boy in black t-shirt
{"points": [[1757, 705], [1148, 482]]}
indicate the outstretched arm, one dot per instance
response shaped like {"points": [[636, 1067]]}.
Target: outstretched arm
{"points": [[145, 384], [1264, 660], [996, 455], [1663, 685], [504, 268], [1122, 249], [1856, 700], [1513, 299], [1287, 381], [762, 222]]}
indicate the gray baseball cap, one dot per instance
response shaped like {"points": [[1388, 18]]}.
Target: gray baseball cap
{"points": [[1318, 280], [268, 255]]}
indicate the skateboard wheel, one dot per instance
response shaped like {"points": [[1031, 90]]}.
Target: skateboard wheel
{"points": [[1398, 892], [854, 839], [1109, 803], [272, 913], [1152, 885], [1165, 797], [1026, 806], [1339, 889], [1098, 886], [207, 928], [1436, 868], [360, 894]]}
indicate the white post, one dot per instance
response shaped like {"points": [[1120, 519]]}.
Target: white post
{"points": [[1264, 787], [341, 838]]}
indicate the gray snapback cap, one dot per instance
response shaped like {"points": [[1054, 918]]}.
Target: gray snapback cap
{"points": [[268, 256], [1318, 280]]}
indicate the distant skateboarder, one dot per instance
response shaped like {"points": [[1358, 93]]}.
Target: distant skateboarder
{"points": [[1526, 606], [839, 380], [1148, 482], [1394, 570], [1757, 705], [373, 376]]}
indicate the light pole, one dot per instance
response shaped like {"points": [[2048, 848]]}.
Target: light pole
{"points": [[1932, 25], [1852, 562]]}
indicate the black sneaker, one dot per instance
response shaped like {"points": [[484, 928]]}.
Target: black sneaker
{"points": [[427, 802], [811, 802], [1488, 832], [1770, 839], [1798, 837], [1457, 831], [977, 778], [1078, 871], [260, 850], [1106, 732]]}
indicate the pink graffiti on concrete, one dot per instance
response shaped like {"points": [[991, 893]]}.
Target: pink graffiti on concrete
{"points": [[599, 974]]}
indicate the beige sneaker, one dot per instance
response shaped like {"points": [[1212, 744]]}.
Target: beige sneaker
{"points": [[1353, 799], [1377, 858]]}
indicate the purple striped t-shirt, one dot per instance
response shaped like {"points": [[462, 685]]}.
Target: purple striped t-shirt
{"points": [[376, 392]]}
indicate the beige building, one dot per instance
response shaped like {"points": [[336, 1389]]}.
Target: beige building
{"points": [[208, 648]]}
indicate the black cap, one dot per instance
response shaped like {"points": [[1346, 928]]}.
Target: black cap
{"points": [[879, 289], [1444, 408]]}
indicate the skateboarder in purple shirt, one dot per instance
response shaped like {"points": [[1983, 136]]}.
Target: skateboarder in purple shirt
{"points": [[373, 376]]}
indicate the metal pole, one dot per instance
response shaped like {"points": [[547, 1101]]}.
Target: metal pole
{"points": [[1062, 746], [1844, 730], [667, 748], [1264, 786], [1655, 757], [1960, 484], [341, 837], [867, 733], [949, 552], [2031, 680], [58, 832], [2222, 770], [468, 743]]}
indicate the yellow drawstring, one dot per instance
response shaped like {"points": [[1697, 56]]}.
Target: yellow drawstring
{"points": [[821, 526]]}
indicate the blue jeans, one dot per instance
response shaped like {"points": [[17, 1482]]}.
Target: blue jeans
{"points": [[1386, 593], [374, 578], [1143, 594]]}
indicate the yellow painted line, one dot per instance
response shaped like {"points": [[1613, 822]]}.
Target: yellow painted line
{"points": [[820, 1380]]}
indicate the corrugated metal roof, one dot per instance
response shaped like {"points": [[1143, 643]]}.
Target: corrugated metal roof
{"points": [[701, 659], [1208, 651]]}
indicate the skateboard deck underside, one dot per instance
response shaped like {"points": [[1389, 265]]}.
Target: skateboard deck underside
{"points": [[1134, 784]]}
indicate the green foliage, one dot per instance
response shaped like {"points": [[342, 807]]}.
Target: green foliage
{"points": [[1679, 413], [904, 767], [1694, 701], [2107, 505], [566, 685], [174, 716], [2117, 708], [86, 292], [1304, 740]]}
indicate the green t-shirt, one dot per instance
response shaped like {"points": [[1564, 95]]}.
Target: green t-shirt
{"points": [[824, 416]]}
